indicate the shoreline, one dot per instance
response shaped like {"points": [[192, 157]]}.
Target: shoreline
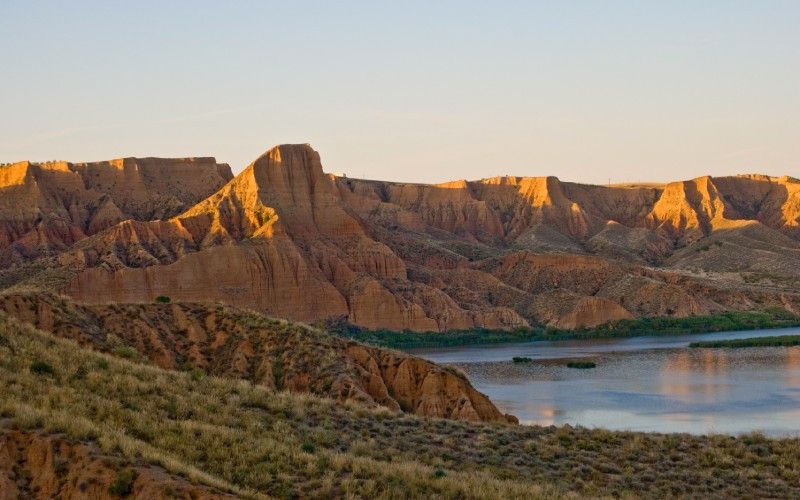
{"points": [[641, 327]]}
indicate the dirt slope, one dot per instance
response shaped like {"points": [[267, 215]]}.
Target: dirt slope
{"points": [[34, 464]]}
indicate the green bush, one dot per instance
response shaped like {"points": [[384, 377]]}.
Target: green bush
{"points": [[521, 359], [308, 448], [581, 364], [42, 368], [163, 299], [125, 351], [198, 374], [123, 485]]}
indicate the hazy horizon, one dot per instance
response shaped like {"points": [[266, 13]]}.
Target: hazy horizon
{"points": [[585, 91]]}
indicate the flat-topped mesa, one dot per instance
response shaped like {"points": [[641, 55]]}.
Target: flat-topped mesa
{"points": [[129, 180]]}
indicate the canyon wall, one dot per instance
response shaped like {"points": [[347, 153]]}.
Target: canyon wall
{"points": [[285, 239]]}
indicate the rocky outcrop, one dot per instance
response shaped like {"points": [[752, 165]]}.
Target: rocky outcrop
{"points": [[34, 464], [514, 209], [46, 208], [275, 239], [229, 342], [285, 239]]}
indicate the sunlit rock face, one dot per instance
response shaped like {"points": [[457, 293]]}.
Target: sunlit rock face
{"points": [[288, 240]]}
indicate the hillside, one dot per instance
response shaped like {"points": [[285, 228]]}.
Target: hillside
{"points": [[77, 414], [223, 341], [287, 240]]}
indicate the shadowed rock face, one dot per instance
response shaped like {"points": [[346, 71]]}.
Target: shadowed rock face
{"points": [[39, 465], [229, 342], [288, 240]]}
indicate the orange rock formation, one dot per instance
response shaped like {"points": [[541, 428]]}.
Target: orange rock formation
{"points": [[287, 240]]}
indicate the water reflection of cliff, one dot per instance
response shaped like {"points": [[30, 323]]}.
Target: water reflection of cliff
{"points": [[692, 376], [665, 390], [793, 366]]}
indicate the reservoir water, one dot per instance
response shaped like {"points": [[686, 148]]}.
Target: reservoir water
{"points": [[653, 384]]}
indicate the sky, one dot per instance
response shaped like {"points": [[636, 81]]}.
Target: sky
{"points": [[589, 91]]}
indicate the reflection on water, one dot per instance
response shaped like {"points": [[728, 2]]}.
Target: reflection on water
{"points": [[647, 384]]}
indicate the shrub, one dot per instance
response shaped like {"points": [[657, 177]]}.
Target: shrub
{"points": [[308, 448], [521, 359], [42, 368], [163, 299], [198, 374], [439, 473], [123, 485], [125, 351], [581, 364]]}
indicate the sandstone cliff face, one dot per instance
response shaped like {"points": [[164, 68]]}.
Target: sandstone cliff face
{"points": [[39, 465], [228, 342], [509, 208], [275, 239], [287, 240], [45, 208]]}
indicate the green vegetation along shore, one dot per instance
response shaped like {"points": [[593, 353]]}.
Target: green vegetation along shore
{"points": [[255, 442], [727, 321], [786, 341]]}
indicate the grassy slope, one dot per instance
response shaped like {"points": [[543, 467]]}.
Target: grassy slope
{"points": [[253, 441], [720, 322]]}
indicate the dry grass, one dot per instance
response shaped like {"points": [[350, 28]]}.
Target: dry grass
{"points": [[254, 441]]}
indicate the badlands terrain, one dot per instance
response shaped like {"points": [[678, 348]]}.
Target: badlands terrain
{"points": [[163, 327], [285, 239]]}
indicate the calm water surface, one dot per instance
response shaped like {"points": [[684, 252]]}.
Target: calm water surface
{"points": [[641, 383]]}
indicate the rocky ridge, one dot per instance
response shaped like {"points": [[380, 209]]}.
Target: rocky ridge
{"points": [[46, 208], [285, 239]]}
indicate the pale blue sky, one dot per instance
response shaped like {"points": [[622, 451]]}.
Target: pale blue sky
{"points": [[411, 91]]}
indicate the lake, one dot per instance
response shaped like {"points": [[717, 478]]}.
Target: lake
{"points": [[653, 384]]}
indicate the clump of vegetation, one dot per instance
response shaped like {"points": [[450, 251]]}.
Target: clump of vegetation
{"points": [[521, 359], [163, 299], [42, 368], [125, 351], [774, 317], [582, 365], [123, 485], [785, 341]]}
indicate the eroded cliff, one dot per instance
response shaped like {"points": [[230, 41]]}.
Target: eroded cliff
{"points": [[285, 239]]}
